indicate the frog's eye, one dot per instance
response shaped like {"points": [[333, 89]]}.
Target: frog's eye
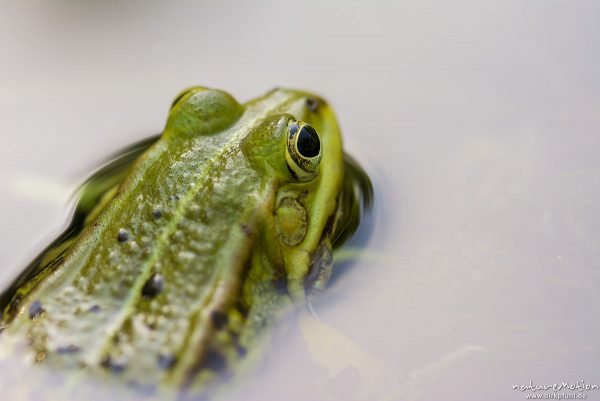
{"points": [[303, 154]]}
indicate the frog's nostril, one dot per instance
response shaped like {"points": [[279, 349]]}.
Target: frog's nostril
{"points": [[312, 104]]}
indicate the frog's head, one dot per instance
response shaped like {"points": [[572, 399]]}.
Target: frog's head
{"points": [[317, 189]]}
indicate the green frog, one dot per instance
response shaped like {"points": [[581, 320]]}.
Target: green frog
{"points": [[188, 246]]}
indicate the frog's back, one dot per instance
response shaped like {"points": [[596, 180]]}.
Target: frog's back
{"points": [[125, 297]]}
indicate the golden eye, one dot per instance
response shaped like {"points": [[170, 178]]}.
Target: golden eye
{"points": [[303, 154]]}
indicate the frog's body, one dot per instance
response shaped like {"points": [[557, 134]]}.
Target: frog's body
{"points": [[177, 267]]}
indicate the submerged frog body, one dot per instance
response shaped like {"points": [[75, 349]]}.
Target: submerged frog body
{"points": [[188, 245]]}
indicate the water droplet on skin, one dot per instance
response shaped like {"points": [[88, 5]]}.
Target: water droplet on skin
{"points": [[191, 289], [68, 291], [186, 256], [113, 256]]}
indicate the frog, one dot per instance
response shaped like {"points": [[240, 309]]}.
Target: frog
{"points": [[188, 246]]}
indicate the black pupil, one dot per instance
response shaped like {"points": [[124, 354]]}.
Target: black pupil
{"points": [[308, 143]]}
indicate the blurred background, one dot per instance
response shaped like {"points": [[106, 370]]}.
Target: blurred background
{"points": [[478, 122]]}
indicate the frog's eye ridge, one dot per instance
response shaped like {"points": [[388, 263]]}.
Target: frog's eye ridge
{"points": [[304, 151]]}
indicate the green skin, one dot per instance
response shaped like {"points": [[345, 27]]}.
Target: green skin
{"points": [[193, 252]]}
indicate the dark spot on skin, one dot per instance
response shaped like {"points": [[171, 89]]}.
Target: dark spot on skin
{"points": [[122, 236], [242, 309], [219, 319], [280, 286], [247, 230], [95, 309], [153, 286], [69, 349], [242, 351], [35, 309], [166, 361], [214, 361], [157, 213], [113, 366], [312, 104]]}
